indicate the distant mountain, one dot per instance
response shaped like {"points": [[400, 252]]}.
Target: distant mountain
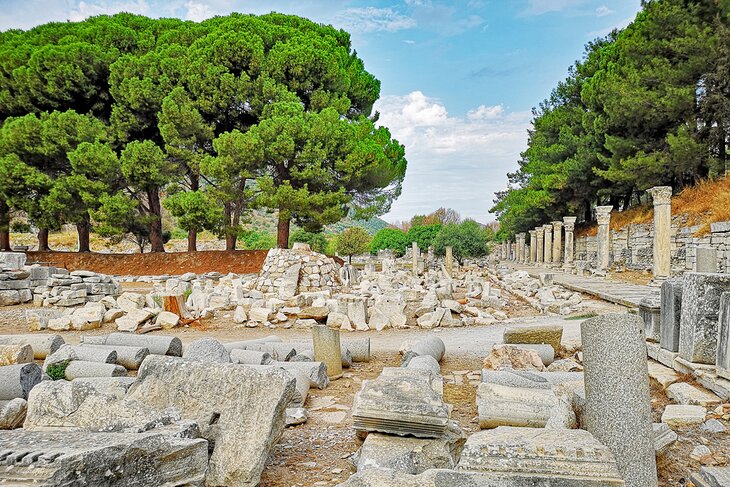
{"points": [[265, 221]]}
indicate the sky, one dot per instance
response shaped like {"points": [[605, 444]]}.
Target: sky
{"points": [[459, 78]]}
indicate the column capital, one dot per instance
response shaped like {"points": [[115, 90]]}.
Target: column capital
{"points": [[557, 224], [532, 233], [569, 220], [661, 195], [548, 228], [603, 214], [539, 231]]}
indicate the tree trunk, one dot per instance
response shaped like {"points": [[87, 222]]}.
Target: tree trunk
{"points": [[230, 236], [83, 230], [43, 240], [192, 241], [230, 242], [282, 233], [4, 228], [156, 243]]}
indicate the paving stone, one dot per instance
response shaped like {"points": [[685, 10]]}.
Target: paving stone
{"points": [[679, 415], [664, 376], [683, 393]]}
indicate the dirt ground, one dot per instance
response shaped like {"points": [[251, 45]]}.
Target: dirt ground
{"points": [[319, 452]]}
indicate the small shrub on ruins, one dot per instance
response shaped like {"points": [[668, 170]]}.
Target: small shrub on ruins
{"points": [[353, 241], [316, 240], [389, 239], [57, 371]]}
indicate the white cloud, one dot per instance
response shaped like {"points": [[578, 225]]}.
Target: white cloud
{"points": [[84, 10], [409, 41], [198, 11], [371, 19], [539, 7], [457, 162], [602, 11], [483, 112]]}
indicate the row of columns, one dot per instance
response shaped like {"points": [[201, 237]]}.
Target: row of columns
{"points": [[545, 244]]}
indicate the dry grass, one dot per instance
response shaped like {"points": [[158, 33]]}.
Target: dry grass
{"points": [[703, 204]]}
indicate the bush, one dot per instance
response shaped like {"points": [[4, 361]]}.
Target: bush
{"points": [[317, 241], [389, 238], [256, 240], [353, 241], [57, 371], [178, 233], [423, 235], [467, 239], [20, 227]]}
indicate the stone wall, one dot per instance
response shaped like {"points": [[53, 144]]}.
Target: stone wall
{"points": [[632, 246], [293, 271]]}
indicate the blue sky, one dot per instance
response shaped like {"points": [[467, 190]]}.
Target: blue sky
{"points": [[459, 77]]}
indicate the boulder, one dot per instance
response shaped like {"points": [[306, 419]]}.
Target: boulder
{"points": [[130, 301], [512, 357], [207, 350], [167, 320]]}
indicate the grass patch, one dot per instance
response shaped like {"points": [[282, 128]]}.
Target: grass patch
{"points": [[582, 317], [186, 294], [57, 371]]}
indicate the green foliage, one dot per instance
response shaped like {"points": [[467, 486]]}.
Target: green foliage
{"points": [[353, 241], [255, 240], [57, 371], [194, 211], [424, 235], [316, 240], [20, 227], [389, 238], [467, 239]]}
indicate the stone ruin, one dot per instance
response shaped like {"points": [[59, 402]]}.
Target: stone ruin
{"points": [[288, 272]]}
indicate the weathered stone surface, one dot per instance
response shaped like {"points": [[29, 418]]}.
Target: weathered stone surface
{"points": [[133, 319], [723, 337], [430, 345], [664, 376], [167, 320], [711, 477], [251, 357], [18, 380], [316, 371], [327, 349], [700, 312], [82, 405], [128, 357], [359, 349], [551, 335], [12, 260], [425, 362], [512, 406], [618, 410], [278, 351], [411, 455], [116, 387], [664, 438], [683, 393], [649, 312], [207, 350], [529, 379], [81, 368], [12, 414], [91, 354], [679, 415], [15, 354], [512, 357], [156, 344], [535, 451], [249, 406], [37, 319], [670, 314], [295, 416], [130, 301], [400, 406], [101, 459], [43, 344], [318, 313]]}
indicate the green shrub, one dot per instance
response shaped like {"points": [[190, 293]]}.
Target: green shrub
{"points": [[257, 240], [353, 241], [317, 241], [57, 371], [391, 239]]}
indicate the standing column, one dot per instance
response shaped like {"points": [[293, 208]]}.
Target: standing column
{"points": [[533, 246], [540, 234], [327, 349], [618, 409], [520, 247], [548, 243], [603, 216], [662, 197], [569, 223], [557, 241], [450, 261], [415, 252]]}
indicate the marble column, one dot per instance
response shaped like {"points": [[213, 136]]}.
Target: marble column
{"points": [[569, 224], [603, 216], [548, 248], [415, 252], [533, 246], [450, 261], [540, 234], [557, 241], [662, 198], [327, 349], [521, 247]]}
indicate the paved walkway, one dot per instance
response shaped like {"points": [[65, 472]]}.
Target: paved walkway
{"points": [[622, 293]]}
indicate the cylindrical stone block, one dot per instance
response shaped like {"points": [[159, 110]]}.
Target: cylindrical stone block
{"points": [[278, 351], [618, 408], [425, 362], [156, 344], [662, 198], [18, 380], [430, 345], [80, 368], [43, 344], [128, 357], [603, 218], [327, 349], [15, 354], [243, 344], [316, 371], [250, 357], [359, 349], [95, 354]]}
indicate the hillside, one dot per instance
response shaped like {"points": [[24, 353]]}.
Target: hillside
{"points": [[265, 221]]}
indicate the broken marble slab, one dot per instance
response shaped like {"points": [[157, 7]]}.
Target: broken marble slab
{"points": [[400, 406], [435, 380], [664, 438], [711, 477], [529, 379], [411, 455], [517, 406], [156, 344], [54, 458], [12, 414]]}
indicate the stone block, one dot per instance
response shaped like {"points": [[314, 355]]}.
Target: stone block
{"points": [[670, 314], [678, 415], [551, 335], [723, 337], [711, 476], [12, 260], [65, 457], [18, 380], [327, 349], [700, 313], [683, 393], [649, 311], [12, 413], [156, 344], [15, 354], [706, 260], [513, 406]]}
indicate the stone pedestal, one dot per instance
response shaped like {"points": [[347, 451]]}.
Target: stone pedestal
{"points": [[450, 261], [649, 311], [698, 326], [327, 349], [539, 236], [723, 342], [618, 410], [662, 197], [603, 216], [548, 249], [670, 314], [569, 224], [533, 246], [557, 241], [705, 259]]}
